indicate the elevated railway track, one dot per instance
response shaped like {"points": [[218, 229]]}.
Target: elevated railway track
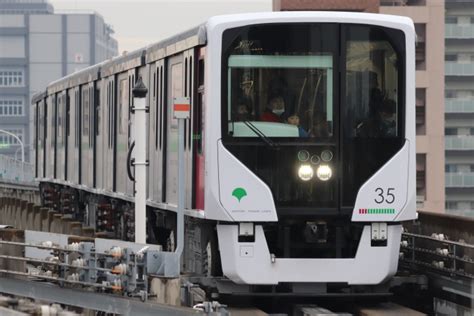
{"points": [[436, 256]]}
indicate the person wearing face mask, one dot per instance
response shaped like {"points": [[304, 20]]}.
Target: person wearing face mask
{"points": [[388, 126], [274, 110], [383, 124]]}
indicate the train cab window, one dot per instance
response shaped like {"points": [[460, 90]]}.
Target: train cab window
{"points": [[373, 103], [372, 85], [278, 88]]}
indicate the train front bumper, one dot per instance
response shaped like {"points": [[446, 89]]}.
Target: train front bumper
{"points": [[252, 263]]}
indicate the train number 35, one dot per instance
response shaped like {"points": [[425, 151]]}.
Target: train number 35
{"points": [[382, 196]]}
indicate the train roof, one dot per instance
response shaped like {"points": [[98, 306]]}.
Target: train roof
{"points": [[172, 45], [183, 41], [198, 36]]}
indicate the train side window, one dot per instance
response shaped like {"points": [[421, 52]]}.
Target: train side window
{"points": [[91, 114], [123, 106], [186, 94], [76, 117], [199, 107], [156, 87], [162, 109], [59, 119], [85, 112], [97, 111], [53, 120], [68, 113], [190, 93], [372, 85]]}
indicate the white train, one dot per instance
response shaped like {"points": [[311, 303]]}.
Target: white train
{"points": [[300, 150]]}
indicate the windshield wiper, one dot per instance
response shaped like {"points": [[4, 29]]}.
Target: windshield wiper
{"points": [[259, 133]]}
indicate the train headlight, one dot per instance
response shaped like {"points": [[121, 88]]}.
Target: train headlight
{"points": [[305, 172], [324, 172]]}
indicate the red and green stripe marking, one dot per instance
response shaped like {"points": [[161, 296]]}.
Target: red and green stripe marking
{"points": [[377, 211]]}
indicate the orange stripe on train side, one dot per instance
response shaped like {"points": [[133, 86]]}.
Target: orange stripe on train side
{"points": [[182, 107]]}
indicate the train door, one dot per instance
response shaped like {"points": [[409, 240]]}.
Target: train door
{"points": [[60, 135], [36, 136], [86, 117], [40, 108], [67, 118], [124, 80], [157, 123], [101, 134], [109, 136], [189, 126], [198, 139], [96, 132], [49, 139], [73, 130], [175, 89], [129, 123]]}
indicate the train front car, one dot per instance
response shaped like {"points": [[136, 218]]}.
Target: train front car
{"points": [[312, 168]]}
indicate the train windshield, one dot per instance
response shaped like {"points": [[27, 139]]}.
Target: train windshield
{"points": [[280, 95], [280, 82]]}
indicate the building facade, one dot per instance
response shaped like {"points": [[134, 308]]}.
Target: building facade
{"points": [[459, 114], [428, 16], [38, 46]]}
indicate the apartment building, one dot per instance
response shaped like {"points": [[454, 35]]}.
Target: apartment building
{"points": [[429, 23], [38, 46], [459, 114]]}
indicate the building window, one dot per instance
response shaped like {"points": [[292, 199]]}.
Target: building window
{"points": [[450, 131], [451, 57], [12, 107], [7, 140], [12, 78], [451, 205], [450, 94], [420, 111], [420, 178], [451, 168], [451, 20], [420, 30]]}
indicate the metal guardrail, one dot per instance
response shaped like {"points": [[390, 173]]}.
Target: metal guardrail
{"points": [[459, 180], [458, 69], [459, 106], [437, 253], [16, 170], [459, 31], [459, 142]]}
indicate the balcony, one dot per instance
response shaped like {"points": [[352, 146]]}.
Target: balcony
{"points": [[402, 3], [459, 31], [459, 180], [453, 68], [459, 142], [467, 213], [459, 106]]}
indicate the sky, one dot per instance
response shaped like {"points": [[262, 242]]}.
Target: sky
{"points": [[138, 23]]}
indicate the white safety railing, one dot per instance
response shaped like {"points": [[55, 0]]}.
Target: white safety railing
{"points": [[16, 170]]}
